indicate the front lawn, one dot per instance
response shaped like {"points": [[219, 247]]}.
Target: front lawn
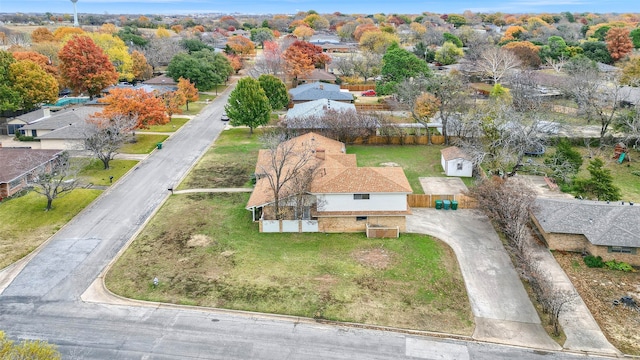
{"points": [[173, 125], [214, 256], [145, 143], [25, 225], [94, 173], [228, 163]]}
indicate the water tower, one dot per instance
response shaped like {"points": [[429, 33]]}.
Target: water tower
{"points": [[75, 14]]}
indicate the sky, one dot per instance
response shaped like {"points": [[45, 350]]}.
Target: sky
{"points": [[152, 7]]}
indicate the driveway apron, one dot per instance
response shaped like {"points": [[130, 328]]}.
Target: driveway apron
{"points": [[502, 309]]}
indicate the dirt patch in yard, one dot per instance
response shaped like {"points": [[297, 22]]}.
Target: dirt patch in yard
{"points": [[598, 288], [377, 258]]}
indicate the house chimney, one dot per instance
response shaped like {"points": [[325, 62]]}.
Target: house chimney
{"points": [[320, 153], [46, 112]]}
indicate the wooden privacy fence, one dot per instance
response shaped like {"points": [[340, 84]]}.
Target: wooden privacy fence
{"points": [[399, 140], [429, 200], [360, 87], [372, 107]]}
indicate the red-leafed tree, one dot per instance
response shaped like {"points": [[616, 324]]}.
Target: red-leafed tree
{"points": [[188, 90], [144, 106], [311, 51], [84, 67], [619, 42], [297, 63]]}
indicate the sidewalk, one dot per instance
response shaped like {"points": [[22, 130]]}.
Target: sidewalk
{"points": [[581, 329]]}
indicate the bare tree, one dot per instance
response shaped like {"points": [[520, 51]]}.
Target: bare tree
{"points": [[598, 98], [344, 65], [506, 136], [524, 91], [55, 179], [508, 202], [367, 65], [558, 64], [496, 62], [452, 92], [283, 162], [341, 125], [160, 51], [103, 137], [628, 122]]}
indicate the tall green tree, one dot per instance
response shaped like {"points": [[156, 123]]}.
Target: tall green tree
{"points": [[564, 163], [9, 97], [599, 185], [275, 90], [399, 64], [204, 68], [248, 104]]}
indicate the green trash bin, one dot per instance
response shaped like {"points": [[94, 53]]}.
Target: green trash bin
{"points": [[159, 146], [438, 204], [454, 205], [446, 204]]}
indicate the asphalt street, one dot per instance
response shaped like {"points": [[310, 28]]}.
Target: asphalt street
{"points": [[43, 300]]}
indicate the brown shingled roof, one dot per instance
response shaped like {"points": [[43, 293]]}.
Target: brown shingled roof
{"points": [[337, 173], [454, 152], [366, 179], [19, 161]]}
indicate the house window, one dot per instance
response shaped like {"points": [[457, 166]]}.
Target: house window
{"points": [[361, 218], [622, 250], [459, 166], [360, 196]]}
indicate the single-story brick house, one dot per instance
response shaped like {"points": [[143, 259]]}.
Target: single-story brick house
{"points": [[456, 162], [609, 230], [341, 196], [18, 164]]}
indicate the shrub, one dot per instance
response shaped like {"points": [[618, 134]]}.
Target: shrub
{"points": [[618, 265], [593, 261]]}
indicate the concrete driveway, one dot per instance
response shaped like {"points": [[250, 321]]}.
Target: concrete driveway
{"points": [[502, 309]]}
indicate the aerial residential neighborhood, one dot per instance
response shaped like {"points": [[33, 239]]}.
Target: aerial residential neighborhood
{"points": [[351, 181]]}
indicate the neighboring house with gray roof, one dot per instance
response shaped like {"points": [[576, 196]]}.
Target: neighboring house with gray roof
{"points": [[609, 230], [317, 91], [62, 130], [298, 115], [14, 125]]}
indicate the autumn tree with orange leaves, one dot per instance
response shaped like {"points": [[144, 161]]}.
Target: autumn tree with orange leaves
{"points": [[241, 45], [141, 68], [313, 52], [619, 42], [39, 59], [42, 34], [188, 90], [297, 62], [173, 101], [146, 107], [85, 68]]}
